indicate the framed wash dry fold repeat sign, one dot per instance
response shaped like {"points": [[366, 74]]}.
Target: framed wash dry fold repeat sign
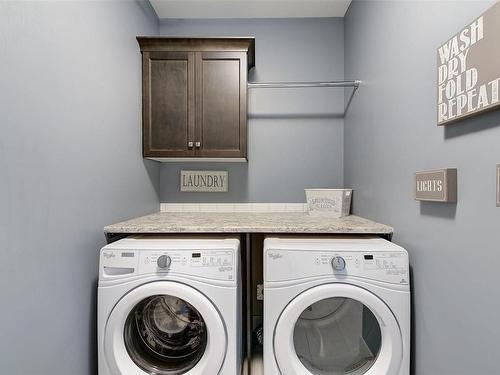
{"points": [[469, 69]]}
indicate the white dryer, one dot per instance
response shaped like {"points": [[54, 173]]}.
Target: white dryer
{"points": [[336, 306], [169, 306]]}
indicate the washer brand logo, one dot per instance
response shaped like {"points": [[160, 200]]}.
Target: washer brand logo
{"points": [[108, 255], [274, 256]]}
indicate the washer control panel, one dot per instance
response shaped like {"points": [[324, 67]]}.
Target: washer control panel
{"points": [[206, 263], [217, 264]]}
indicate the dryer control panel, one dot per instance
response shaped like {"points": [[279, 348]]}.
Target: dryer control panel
{"points": [[391, 267], [285, 262]]}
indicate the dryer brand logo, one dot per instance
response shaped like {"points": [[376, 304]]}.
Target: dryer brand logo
{"points": [[274, 256], [108, 255]]}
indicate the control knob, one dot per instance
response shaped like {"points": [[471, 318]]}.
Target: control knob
{"points": [[338, 263], [164, 262]]}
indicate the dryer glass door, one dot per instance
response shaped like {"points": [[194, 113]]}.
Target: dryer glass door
{"points": [[337, 329], [337, 336]]}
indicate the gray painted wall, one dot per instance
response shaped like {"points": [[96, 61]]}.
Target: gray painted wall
{"points": [[295, 136], [70, 162], [391, 132]]}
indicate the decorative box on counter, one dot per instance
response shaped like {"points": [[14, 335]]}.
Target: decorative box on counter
{"points": [[329, 202]]}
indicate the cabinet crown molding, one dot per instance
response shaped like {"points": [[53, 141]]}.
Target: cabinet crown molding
{"points": [[199, 44]]}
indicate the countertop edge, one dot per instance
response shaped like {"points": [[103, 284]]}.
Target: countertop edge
{"points": [[152, 224]]}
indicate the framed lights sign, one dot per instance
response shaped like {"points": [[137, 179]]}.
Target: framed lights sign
{"points": [[469, 69], [437, 185]]}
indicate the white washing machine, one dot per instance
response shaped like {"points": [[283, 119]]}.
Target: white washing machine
{"points": [[169, 306], [336, 306]]}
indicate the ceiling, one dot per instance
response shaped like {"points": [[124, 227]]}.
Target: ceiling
{"points": [[249, 8]]}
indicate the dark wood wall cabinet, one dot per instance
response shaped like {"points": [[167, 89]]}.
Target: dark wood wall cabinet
{"points": [[195, 97]]}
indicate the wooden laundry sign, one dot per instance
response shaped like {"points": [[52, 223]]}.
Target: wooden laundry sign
{"points": [[204, 181], [469, 69]]}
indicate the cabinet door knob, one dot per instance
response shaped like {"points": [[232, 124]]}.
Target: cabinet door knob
{"points": [[198, 144], [190, 144]]}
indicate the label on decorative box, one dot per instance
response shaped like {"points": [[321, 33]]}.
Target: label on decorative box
{"points": [[330, 202]]}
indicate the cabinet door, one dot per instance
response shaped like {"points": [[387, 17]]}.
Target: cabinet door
{"points": [[221, 104], [168, 104]]}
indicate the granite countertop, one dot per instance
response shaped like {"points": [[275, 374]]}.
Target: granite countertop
{"points": [[247, 222]]}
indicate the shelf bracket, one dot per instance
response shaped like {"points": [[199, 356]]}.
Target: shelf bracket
{"points": [[354, 89]]}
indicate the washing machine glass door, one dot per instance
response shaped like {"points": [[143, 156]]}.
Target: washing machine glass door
{"points": [[165, 328], [337, 329]]}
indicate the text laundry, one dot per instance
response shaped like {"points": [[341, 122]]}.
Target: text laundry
{"points": [[203, 181]]}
